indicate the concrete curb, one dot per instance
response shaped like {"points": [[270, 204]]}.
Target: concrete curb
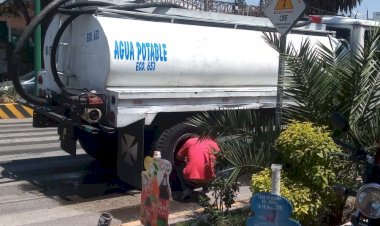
{"points": [[15, 111], [189, 214]]}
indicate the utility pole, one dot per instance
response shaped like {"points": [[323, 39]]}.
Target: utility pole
{"points": [[280, 82], [283, 15], [37, 42]]}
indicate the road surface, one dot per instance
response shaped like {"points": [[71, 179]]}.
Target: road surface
{"points": [[42, 185]]}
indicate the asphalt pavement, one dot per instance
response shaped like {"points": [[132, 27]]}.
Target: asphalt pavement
{"points": [[43, 185]]}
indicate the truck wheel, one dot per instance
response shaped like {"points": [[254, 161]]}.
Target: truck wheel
{"points": [[169, 143], [101, 146]]}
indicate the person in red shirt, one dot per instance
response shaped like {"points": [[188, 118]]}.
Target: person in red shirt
{"points": [[198, 156]]}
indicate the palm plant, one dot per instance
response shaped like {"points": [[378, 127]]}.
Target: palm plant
{"points": [[324, 80], [332, 6], [245, 137], [319, 81]]}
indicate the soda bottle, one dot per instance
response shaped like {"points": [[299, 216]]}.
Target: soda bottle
{"points": [[148, 211], [155, 188], [154, 199], [163, 202]]}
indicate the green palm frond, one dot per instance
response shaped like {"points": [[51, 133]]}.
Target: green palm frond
{"points": [[247, 155], [319, 80], [273, 40], [306, 83], [311, 75], [368, 80], [322, 79], [369, 133], [242, 123], [245, 137]]}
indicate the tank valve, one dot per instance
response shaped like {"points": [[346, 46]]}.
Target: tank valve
{"points": [[92, 115]]}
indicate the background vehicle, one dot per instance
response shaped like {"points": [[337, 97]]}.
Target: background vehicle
{"points": [[27, 82], [122, 79]]}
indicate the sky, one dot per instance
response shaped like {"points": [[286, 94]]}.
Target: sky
{"points": [[371, 5], [361, 10]]}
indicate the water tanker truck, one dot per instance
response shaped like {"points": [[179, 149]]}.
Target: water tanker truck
{"points": [[121, 79]]}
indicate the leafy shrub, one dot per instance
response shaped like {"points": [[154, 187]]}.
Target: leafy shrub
{"points": [[312, 165], [309, 152], [305, 202], [223, 194]]}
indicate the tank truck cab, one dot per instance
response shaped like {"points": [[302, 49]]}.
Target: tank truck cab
{"points": [[121, 80], [352, 31]]}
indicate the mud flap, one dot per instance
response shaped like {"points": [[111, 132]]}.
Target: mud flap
{"points": [[131, 153], [67, 137]]}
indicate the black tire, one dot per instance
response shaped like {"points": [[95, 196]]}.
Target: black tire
{"points": [[169, 143], [101, 146]]}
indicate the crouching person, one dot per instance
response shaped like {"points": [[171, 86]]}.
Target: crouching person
{"points": [[197, 168]]}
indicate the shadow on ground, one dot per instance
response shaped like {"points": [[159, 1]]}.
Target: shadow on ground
{"points": [[66, 177]]}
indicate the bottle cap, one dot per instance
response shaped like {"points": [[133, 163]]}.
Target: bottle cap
{"points": [[157, 154], [276, 167]]}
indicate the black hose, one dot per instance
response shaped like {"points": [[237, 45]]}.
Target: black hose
{"points": [[54, 52], [45, 13], [68, 9], [117, 7], [77, 11], [16, 55], [144, 5], [82, 4], [74, 14], [15, 60]]}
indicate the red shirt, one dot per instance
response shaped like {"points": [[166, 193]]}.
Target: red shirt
{"points": [[200, 159]]}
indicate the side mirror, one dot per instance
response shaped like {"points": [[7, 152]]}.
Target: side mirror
{"points": [[339, 122], [368, 200]]}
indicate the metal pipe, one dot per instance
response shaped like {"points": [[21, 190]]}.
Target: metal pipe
{"points": [[281, 74], [276, 179], [37, 43]]}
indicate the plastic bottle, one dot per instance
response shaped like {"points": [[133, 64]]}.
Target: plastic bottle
{"points": [[148, 212], [155, 188], [163, 202]]}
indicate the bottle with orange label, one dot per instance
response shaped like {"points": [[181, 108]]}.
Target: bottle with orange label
{"points": [[163, 202], [148, 212], [155, 188]]}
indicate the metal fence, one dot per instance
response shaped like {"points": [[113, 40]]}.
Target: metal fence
{"points": [[216, 6]]}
